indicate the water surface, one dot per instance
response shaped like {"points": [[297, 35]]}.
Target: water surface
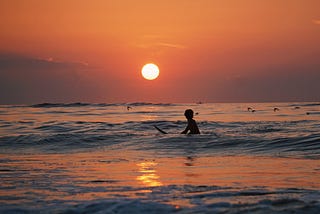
{"points": [[95, 158]]}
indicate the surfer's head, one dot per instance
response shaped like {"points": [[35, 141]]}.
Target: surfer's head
{"points": [[188, 113]]}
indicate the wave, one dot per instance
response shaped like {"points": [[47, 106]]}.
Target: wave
{"points": [[313, 113], [198, 199], [298, 147], [61, 143], [305, 105], [169, 145], [150, 104], [257, 138], [80, 104]]}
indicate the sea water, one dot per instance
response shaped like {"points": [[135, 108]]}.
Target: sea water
{"points": [[109, 158]]}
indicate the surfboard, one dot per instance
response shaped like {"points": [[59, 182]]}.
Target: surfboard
{"points": [[160, 130]]}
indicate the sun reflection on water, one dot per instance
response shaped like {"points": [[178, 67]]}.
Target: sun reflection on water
{"points": [[148, 175]]}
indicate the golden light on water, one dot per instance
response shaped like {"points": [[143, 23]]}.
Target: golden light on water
{"points": [[149, 175], [118, 171]]}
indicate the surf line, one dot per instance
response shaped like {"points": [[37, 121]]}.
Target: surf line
{"points": [[160, 130], [163, 132]]}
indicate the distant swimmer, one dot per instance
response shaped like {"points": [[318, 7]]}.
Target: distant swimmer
{"points": [[128, 108], [251, 109], [297, 107], [276, 109], [192, 126]]}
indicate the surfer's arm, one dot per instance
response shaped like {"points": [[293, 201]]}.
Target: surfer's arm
{"points": [[192, 127], [186, 130]]}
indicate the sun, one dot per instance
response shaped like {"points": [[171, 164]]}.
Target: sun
{"points": [[150, 71]]}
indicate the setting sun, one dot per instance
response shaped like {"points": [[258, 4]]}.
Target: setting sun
{"points": [[150, 71]]}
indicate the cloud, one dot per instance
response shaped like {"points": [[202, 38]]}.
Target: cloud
{"points": [[316, 21], [51, 59], [160, 45], [170, 45], [281, 83], [156, 41], [14, 61], [25, 79]]}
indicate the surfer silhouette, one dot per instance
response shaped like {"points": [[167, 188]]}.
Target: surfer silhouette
{"points": [[192, 126]]}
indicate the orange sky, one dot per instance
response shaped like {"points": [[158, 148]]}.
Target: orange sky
{"points": [[209, 50]]}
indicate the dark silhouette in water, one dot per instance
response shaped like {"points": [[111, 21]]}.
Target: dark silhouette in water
{"points": [[276, 109], [251, 109], [192, 126]]}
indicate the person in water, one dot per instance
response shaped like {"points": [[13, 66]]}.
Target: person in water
{"points": [[192, 126]]}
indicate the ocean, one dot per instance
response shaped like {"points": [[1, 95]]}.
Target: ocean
{"points": [[109, 158]]}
